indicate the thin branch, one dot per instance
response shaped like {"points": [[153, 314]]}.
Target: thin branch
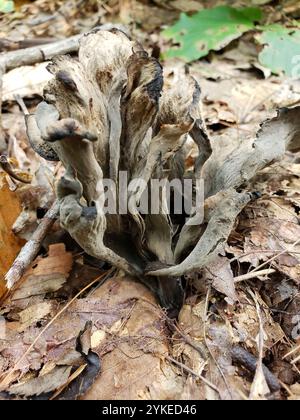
{"points": [[192, 372], [31, 248], [242, 357], [276, 256], [198, 347], [253, 275], [291, 352]]}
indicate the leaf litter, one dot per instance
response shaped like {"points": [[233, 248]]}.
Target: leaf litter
{"points": [[227, 332]]}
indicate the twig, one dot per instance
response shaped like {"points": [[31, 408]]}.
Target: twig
{"points": [[192, 372], [276, 256], [31, 248], [199, 348], [296, 360], [291, 352], [254, 274], [33, 55], [21, 104], [69, 380], [259, 380], [7, 44], [7, 379]]}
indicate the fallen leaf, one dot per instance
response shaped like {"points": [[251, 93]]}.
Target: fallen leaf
{"points": [[220, 274], [33, 314], [42, 384], [46, 274], [10, 245], [274, 230], [133, 366], [25, 81], [281, 49]]}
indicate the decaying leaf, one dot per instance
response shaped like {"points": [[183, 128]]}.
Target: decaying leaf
{"points": [[25, 81], [42, 384], [275, 229], [246, 326], [220, 274], [10, 245], [133, 365], [33, 314]]}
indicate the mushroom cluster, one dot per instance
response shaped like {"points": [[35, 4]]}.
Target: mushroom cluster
{"points": [[113, 114]]}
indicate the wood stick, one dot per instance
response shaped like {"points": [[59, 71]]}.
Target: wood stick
{"points": [[192, 372], [7, 44], [31, 248], [33, 55], [254, 274]]}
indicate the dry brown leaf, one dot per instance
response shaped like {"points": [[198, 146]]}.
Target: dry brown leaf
{"points": [[42, 384], [246, 325], [133, 365], [46, 274], [10, 245], [221, 275], [295, 390], [274, 228], [33, 314], [25, 81]]}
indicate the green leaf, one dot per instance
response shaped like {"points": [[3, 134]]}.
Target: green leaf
{"points": [[6, 6], [209, 29], [281, 52]]}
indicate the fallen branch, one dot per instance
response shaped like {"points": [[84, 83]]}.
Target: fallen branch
{"points": [[31, 248], [40, 53], [33, 55]]}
